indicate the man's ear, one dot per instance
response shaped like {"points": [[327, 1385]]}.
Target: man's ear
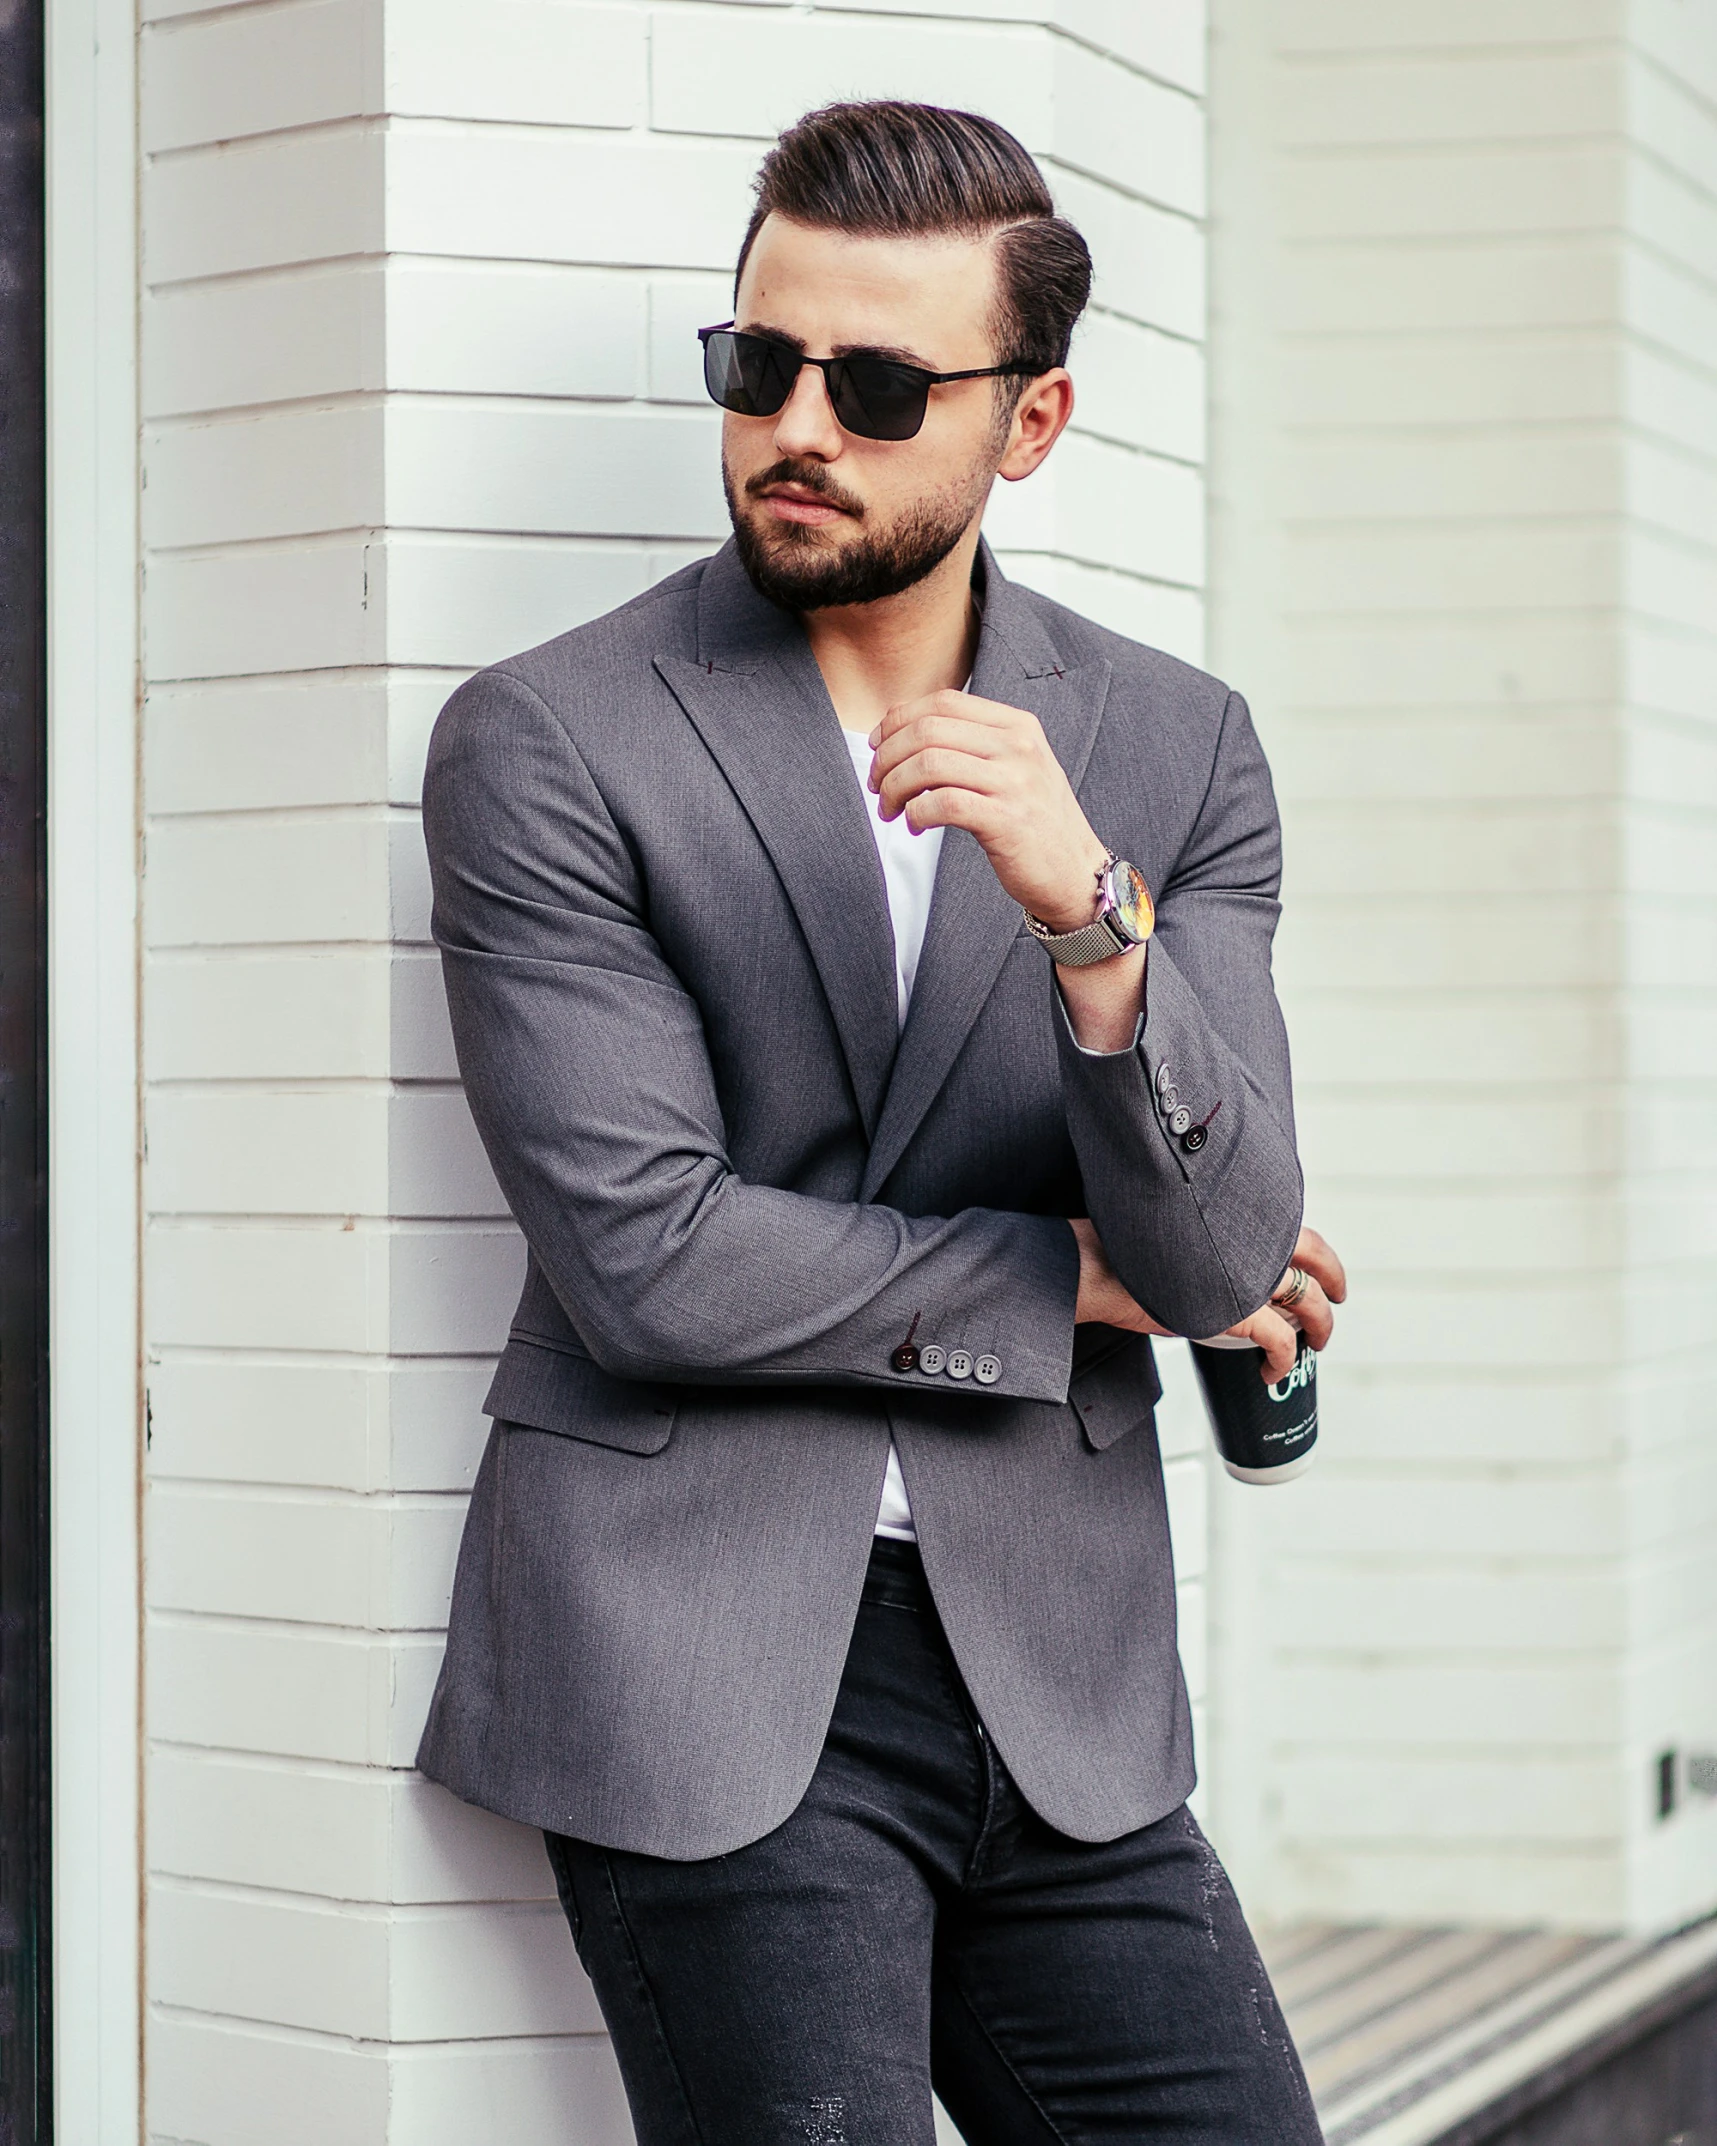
{"points": [[1039, 419]]}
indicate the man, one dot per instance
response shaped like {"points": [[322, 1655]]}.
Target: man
{"points": [[816, 1595]]}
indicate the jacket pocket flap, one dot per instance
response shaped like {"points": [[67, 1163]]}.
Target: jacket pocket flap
{"points": [[552, 1390], [1116, 1394]]}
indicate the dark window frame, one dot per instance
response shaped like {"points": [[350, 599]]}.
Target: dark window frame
{"points": [[26, 1974]]}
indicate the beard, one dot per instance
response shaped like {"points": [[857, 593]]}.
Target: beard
{"points": [[796, 568]]}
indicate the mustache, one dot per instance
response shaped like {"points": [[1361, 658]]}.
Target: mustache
{"points": [[812, 476]]}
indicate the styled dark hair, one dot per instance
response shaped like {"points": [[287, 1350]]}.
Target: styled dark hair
{"points": [[888, 170]]}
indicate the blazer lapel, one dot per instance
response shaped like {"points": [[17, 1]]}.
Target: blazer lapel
{"points": [[758, 701], [972, 922]]}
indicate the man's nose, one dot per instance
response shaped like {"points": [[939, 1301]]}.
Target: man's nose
{"points": [[807, 424]]}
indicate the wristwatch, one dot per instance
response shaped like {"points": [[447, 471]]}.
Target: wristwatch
{"points": [[1126, 917]]}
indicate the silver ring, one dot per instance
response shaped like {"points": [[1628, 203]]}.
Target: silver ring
{"points": [[1293, 1289]]}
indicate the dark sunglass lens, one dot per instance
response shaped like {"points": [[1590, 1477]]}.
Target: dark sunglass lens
{"points": [[746, 374], [879, 400], [723, 374]]}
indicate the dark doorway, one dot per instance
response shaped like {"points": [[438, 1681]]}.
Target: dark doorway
{"points": [[25, 1980]]}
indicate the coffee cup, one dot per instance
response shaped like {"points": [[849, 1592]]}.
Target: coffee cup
{"points": [[1265, 1432]]}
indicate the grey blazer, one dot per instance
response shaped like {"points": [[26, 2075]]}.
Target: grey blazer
{"points": [[668, 959]]}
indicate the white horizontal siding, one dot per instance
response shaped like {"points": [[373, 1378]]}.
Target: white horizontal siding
{"points": [[1464, 556], [421, 389], [1669, 835], [214, 2078]]}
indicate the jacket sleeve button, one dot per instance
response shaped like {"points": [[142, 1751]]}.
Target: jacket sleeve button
{"points": [[1195, 1138], [931, 1358], [1180, 1120], [1165, 1078], [905, 1358], [959, 1364], [987, 1370]]}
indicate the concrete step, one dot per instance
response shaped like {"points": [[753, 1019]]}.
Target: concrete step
{"points": [[1429, 2037]]}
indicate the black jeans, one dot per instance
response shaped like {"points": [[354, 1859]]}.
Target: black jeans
{"points": [[915, 1922]]}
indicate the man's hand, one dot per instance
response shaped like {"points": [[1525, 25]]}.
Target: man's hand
{"points": [[1103, 1297], [953, 760], [1276, 1332]]}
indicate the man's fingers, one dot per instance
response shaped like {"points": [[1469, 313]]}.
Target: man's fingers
{"points": [[966, 707], [927, 731], [1315, 1316], [944, 808], [1318, 1257], [1279, 1341], [938, 767], [910, 711]]}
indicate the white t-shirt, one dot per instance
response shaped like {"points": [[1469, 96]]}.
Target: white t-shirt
{"points": [[909, 873]]}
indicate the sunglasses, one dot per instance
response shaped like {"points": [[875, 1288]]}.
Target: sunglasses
{"points": [[874, 398]]}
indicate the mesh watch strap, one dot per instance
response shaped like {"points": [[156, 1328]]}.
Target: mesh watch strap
{"points": [[1100, 940], [1079, 949]]}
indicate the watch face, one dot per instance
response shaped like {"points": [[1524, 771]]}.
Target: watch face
{"points": [[1134, 910]]}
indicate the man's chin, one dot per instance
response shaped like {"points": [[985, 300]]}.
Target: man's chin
{"points": [[810, 566], [773, 537], [798, 565]]}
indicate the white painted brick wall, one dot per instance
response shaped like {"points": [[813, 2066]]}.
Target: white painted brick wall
{"points": [[1668, 840], [1465, 555], [420, 388]]}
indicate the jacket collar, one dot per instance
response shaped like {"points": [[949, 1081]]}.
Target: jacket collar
{"points": [[757, 699]]}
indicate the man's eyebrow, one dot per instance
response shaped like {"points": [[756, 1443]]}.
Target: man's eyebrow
{"points": [[774, 335], [900, 355], [894, 351]]}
